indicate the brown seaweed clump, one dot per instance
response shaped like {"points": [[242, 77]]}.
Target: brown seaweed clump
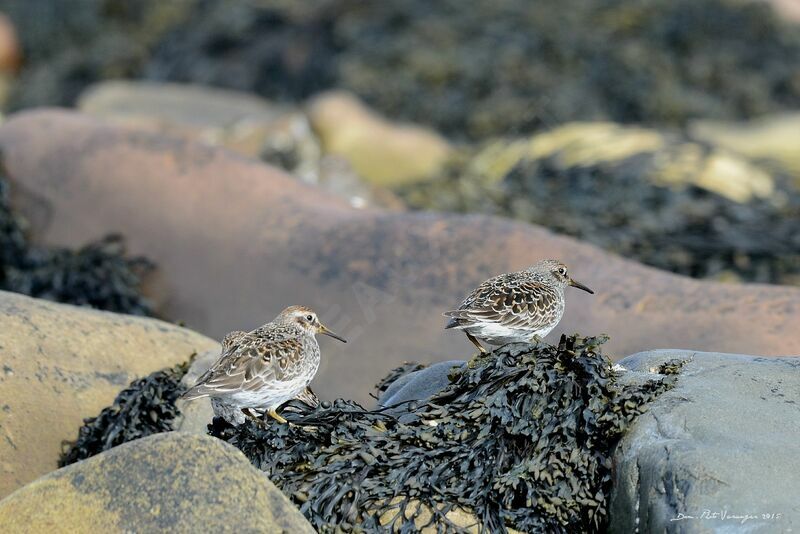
{"points": [[521, 440], [144, 408]]}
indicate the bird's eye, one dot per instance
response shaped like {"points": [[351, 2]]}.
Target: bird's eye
{"points": [[562, 271], [309, 318]]}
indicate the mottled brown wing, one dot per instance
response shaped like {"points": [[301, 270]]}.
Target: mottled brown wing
{"points": [[233, 338], [248, 365], [527, 305]]}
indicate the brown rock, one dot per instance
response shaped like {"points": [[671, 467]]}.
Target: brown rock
{"points": [[10, 57], [236, 241], [239, 121], [10, 53], [60, 364], [171, 482]]}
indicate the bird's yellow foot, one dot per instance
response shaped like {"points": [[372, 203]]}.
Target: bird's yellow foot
{"points": [[272, 413]]}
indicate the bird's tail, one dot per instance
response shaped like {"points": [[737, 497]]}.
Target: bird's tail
{"points": [[194, 393], [455, 318]]}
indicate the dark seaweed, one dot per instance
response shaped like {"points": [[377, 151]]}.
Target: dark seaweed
{"points": [[472, 71], [99, 275], [499, 68], [521, 439], [689, 231], [144, 408]]}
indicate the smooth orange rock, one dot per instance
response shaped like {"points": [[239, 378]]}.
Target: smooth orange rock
{"points": [[236, 241], [10, 53], [60, 364]]}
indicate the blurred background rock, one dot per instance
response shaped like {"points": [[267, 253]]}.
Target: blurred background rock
{"points": [[663, 130]]}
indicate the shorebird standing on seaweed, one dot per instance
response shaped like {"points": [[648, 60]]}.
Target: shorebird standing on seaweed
{"points": [[260, 370], [515, 307]]}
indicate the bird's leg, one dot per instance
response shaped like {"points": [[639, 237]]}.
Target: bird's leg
{"points": [[272, 413], [479, 357], [476, 343], [254, 417], [251, 414]]}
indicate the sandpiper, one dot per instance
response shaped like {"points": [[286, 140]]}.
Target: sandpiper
{"points": [[515, 307], [258, 371]]}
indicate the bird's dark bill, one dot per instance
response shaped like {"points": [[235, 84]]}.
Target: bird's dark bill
{"points": [[334, 335], [574, 283]]}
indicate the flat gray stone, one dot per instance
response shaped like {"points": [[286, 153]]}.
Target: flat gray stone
{"points": [[718, 453], [418, 385], [173, 103], [196, 414]]}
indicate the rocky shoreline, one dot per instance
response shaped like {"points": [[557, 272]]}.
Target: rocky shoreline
{"points": [[601, 444], [318, 242], [221, 160]]}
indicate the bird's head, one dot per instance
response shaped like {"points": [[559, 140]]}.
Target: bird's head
{"points": [[307, 319], [557, 273]]}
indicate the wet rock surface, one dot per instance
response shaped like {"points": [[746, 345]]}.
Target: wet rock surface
{"points": [[713, 450], [61, 364], [374, 276], [173, 481]]}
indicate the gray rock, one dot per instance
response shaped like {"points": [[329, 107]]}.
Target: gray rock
{"points": [[723, 443], [418, 385], [196, 414], [171, 106]]}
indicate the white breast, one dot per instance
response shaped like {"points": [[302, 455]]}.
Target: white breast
{"points": [[497, 334]]}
